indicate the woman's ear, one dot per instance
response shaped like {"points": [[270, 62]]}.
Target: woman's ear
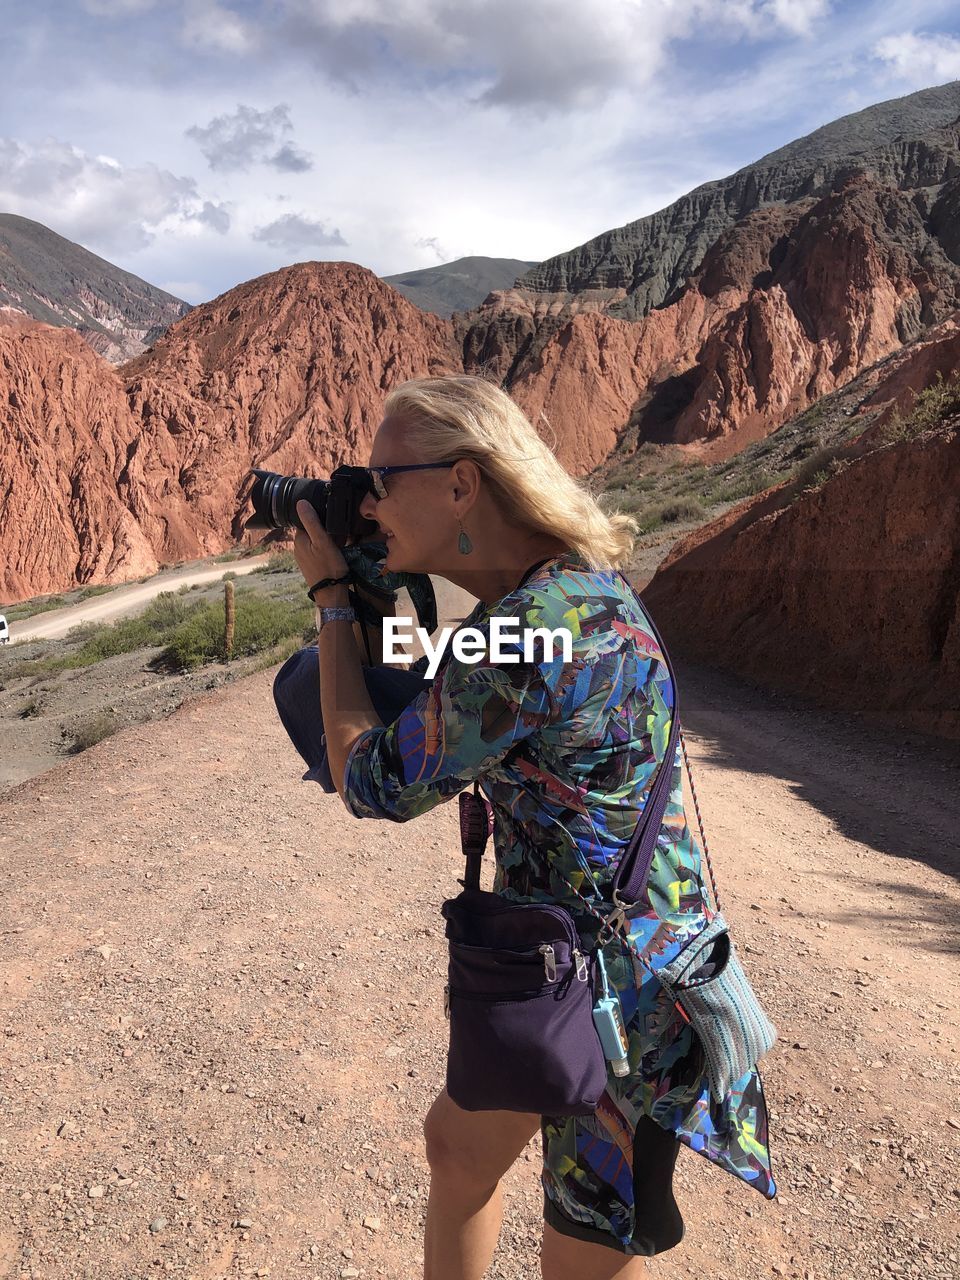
{"points": [[466, 480]]}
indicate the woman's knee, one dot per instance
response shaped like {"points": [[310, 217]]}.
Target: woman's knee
{"points": [[474, 1147]]}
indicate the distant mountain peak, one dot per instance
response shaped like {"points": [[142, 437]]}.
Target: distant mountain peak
{"points": [[459, 285], [49, 278]]}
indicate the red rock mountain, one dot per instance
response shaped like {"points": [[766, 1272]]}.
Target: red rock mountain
{"points": [[65, 432], [707, 325], [108, 473], [787, 305], [848, 592]]}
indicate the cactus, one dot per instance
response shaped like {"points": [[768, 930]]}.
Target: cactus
{"points": [[229, 619]]}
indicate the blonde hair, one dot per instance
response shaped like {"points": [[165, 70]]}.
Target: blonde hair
{"points": [[469, 417]]}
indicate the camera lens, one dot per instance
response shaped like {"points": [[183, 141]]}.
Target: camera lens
{"points": [[275, 499]]}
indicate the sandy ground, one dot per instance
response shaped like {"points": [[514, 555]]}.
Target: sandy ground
{"points": [[221, 1005]]}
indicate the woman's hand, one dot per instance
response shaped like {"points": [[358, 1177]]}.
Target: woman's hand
{"points": [[316, 553]]}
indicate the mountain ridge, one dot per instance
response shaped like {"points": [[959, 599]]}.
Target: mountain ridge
{"points": [[52, 279], [458, 285], [644, 257]]}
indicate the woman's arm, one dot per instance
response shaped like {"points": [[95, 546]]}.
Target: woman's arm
{"points": [[347, 709], [455, 731]]}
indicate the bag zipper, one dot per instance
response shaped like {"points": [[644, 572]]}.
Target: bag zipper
{"points": [[549, 961], [556, 912]]}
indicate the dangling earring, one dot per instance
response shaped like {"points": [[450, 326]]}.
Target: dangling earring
{"points": [[464, 545]]}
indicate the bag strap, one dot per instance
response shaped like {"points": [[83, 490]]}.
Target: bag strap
{"points": [[634, 867], [711, 877], [475, 815], [633, 871]]}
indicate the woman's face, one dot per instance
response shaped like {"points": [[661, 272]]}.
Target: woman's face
{"points": [[417, 517]]}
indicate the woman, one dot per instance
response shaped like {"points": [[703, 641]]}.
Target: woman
{"points": [[566, 754]]}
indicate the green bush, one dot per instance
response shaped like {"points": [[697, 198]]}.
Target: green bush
{"points": [[29, 608], [189, 632], [662, 513], [92, 641], [280, 652], [89, 732], [744, 486], [933, 404], [260, 624], [279, 562], [85, 593], [648, 450], [819, 466], [682, 509]]}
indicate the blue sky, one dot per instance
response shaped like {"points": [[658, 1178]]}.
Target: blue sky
{"points": [[199, 143]]}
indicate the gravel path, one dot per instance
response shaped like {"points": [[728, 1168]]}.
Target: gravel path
{"points": [[221, 1019], [126, 600]]}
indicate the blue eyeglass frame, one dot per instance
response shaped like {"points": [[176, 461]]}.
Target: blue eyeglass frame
{"points": [[377, 474]]}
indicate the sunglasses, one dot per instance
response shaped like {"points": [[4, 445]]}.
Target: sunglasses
{"points": [[379, 474]]}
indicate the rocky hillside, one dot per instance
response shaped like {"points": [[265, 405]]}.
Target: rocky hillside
{"points": [[66, 431], [751, 375], [713, 322], [844, 583], [108, 473], [459, 285], [910, 143], [51, 279]]}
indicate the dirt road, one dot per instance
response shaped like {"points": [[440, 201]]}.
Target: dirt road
{"points": [[125, 600], [222, 1018]]}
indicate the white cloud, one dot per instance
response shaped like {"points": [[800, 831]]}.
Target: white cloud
{"points": [[117, 8], [249, 136], [433, 244], [189, 290], [208, 25], [539, 54], [797, 16], [97, 200], [920, 59], [294, 233]]}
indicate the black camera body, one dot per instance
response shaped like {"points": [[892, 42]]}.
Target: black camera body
{"points": [[336, 501]]}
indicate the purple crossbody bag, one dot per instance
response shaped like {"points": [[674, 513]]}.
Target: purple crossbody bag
{"points": [[522, 984]]}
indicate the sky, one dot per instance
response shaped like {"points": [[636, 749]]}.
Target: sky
{"points": [[200, 143]]}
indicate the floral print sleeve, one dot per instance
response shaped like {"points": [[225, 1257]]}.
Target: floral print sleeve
{"points": [[453, 732]]}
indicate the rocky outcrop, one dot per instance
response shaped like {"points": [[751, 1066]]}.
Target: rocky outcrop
{"points": [[815, 262], [910, 143], [66, 431], [790, 304], [912, 371], [848, 593], [107, 474], [47, 278]]}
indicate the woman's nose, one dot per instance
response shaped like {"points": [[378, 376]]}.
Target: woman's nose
{"points": [[368, 506]]}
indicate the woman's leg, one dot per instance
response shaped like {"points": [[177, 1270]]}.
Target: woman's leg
{"points": [[564, 1258], [468, 1152]]}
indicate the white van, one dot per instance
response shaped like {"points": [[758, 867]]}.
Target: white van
{"points": [[4, 630]]}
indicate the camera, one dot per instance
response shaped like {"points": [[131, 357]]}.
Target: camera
{"points": [[336, 501]]}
